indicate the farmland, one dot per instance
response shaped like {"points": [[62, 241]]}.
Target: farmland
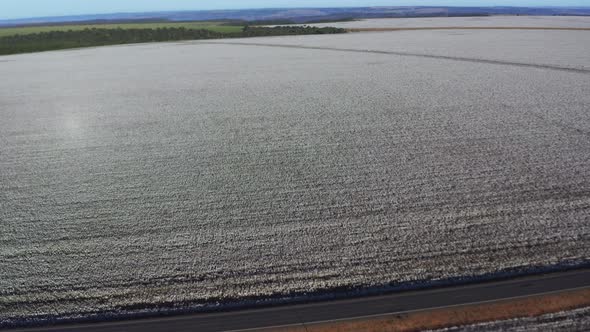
{"points": [[198, 174], [474, 22], [212, 26]]}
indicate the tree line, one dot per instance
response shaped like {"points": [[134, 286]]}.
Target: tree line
{"points": [[56, 40]]}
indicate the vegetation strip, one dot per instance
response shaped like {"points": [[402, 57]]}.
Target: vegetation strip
{"points": [[58, 40], [217, 26], [456, 316]]}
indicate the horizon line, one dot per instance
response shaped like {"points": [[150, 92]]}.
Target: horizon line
{"points": [[267, 8]]}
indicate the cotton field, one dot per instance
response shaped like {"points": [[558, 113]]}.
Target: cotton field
{"points": [[475, 21], [185, 176]]}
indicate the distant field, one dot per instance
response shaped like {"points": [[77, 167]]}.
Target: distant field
{"points": [[527, 22], [213, 26]]}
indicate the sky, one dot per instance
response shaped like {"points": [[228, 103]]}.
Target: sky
{"points": [[10, 9]]}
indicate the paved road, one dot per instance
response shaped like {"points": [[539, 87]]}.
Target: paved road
{"points": [[350, 308]]}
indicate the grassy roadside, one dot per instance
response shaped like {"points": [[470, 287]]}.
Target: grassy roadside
{"points": [[89, 37], [456, 316]]}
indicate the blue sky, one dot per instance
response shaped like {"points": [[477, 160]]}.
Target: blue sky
{"points": [[34, 8]]}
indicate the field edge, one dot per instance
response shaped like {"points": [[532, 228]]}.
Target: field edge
{"points": [[157, 310]]}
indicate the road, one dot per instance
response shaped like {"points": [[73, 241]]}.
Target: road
{"points": [[349, 308]]}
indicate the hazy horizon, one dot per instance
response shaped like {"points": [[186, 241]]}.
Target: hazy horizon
{"points": [[43, 8]]}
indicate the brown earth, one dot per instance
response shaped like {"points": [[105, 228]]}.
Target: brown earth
{"points": [[455, 316]]}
